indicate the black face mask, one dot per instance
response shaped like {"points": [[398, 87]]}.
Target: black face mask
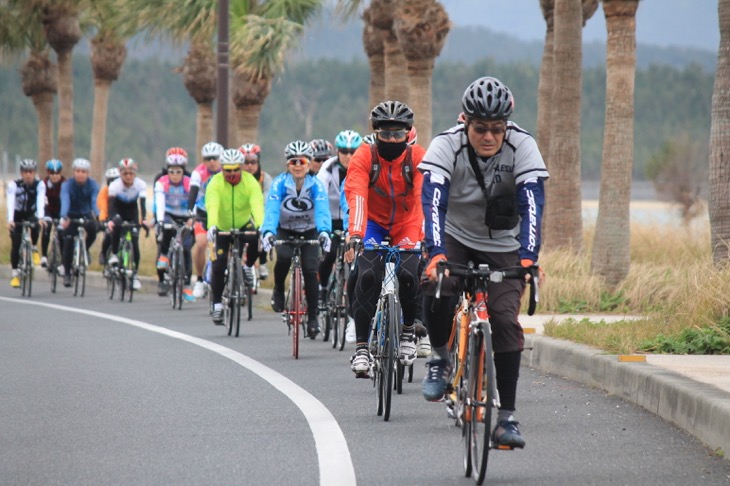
{"points": [[390, 150]]}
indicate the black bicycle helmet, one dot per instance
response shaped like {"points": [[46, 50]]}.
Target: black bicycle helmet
{"points": [[487, 98], [391, 112]]}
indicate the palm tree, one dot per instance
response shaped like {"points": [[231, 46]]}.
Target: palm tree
{"points": [[546, 83], [261, 36], [108, 53], [611, 244], [381, 15], [21, 31], [193, 21], [720, 145], [61, 24], [421, 27], [373, 40], [564, 227]]}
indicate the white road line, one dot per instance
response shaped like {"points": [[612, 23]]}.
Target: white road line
{"points": [[335, 463]]}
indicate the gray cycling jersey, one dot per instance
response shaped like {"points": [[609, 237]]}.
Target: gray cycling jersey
{"points": [[329, 174], [447, 157]]}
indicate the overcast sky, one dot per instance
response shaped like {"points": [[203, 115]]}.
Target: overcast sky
{"points": [[691, 23]]}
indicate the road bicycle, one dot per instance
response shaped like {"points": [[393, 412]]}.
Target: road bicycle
{"points": [[295, 307], [26, 268], [472, 396], [55, 261], [236, 292], [80, 261], [121, 276], [387, 370], [176, 271], [334, 311]]}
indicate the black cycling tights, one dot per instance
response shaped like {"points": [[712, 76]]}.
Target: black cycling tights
{"points": [[364, 297]]}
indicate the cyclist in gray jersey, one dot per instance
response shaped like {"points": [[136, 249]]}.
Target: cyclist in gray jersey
{"points": [[486, 166]]}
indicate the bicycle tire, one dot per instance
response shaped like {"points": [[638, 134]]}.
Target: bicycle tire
{"points": [[172, 278], [180, 276], [54, 262], [297, 308], [129, 272], [248, 294], [325, 314], [75, 266], [239, 289], [391, 319], [111, 281], [342, 318], [481, 423], [24, 268]]}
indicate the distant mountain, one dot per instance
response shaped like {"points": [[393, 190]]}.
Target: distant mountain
{"points": [[470, 43]]}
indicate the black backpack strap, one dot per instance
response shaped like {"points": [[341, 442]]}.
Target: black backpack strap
{"points": [[375, 167], [408, 167], [477, 172]]}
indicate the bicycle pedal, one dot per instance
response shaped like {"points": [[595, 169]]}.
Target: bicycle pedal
{"points": [[362, 374], [500, 447]]}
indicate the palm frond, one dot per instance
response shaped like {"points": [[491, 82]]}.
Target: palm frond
{"points": [[347, 9], [299, 11], [261, 45]]}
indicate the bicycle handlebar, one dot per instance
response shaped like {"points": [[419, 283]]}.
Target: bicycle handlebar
{"points": [[485, 274], [236, 232], [295, 242]]}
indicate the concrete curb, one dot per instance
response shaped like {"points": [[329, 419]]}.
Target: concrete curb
{"points": [[701, 410]]}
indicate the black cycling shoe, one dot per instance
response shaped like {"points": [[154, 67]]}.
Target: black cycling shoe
{"points": [[162, 289], [277, 301], [506, 434], [312, 328], [67, 280]]}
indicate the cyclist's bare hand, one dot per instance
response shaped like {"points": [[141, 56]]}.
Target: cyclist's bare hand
{"points": [[110, 225], [42, 223], [11, 225], [353, 242], [63, 223]]}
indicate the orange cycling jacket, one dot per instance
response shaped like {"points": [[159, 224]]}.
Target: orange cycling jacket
{"points": [[389, 202]]}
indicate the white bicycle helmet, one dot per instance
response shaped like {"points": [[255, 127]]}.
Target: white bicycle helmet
{"points": [[81, 164], [28, 164], [212, 149], [112, 173], [176, 160], [127, 163], [298, 148], [232, 157]]}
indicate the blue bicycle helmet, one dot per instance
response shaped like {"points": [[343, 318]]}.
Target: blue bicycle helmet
{"points": [[348, 139], [54, 165]]}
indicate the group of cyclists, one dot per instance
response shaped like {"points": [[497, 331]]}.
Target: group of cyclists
{"points": [[476, 194]]}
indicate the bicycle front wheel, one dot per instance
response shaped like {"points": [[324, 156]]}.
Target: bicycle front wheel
{"points": [[481, 396], [26, 266], [296, 309], [54, 262], [129, 271], [239, 289], [110, 280], [390, 321], [341, 312]]}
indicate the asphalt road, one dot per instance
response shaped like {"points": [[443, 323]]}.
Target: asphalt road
{"points": [[139, 393]]}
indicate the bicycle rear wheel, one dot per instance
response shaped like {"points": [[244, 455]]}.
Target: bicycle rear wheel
{"points": [[481, 396], [248, 294], [296, 309]]}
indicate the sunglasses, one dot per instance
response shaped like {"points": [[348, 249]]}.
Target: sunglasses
{"points": [[320, 159], [347, 151], [208, 159], [131, 172], [175, 171], [53, 172], [391, 134], [494, 130], [232, 171], [297, 162], [27, 170], [250, 162]]}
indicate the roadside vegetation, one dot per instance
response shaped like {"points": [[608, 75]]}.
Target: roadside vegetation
{"points": [[672, 283]]}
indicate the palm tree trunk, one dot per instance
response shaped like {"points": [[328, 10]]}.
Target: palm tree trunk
{"points": [[247, 121], [396, 72], [564, 226], [420, 72], [43, 103], [377, 80], [203, 125], [65, 108], [611, 245], [720, 145], [98, 127], [545, 85]]}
